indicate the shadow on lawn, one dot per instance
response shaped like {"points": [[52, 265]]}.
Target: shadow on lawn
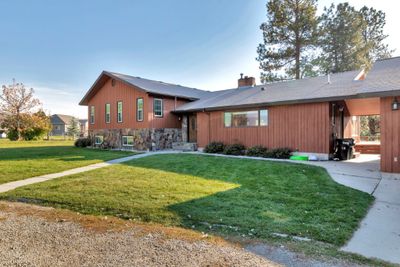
{"points": [[64, 153], [272, 197]]}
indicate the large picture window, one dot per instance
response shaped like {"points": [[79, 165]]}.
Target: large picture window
{"points": [[127, 140], [108, 113], [246, 118], [139, 109], [92, 115], [119, 111], [158, 107]]}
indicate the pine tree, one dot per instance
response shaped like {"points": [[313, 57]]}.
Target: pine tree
{"points": [[73, 128], [351, 39], [290, 30]]}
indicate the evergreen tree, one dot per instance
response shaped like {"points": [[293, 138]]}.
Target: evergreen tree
{"points": [[290, 30], [351, 39], [373, 35], [73, 128]]}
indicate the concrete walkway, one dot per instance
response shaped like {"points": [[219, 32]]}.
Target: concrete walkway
{"points": [[12, 185]]}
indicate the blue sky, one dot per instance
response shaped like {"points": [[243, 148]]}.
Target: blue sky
{"points": [[60, 47]]}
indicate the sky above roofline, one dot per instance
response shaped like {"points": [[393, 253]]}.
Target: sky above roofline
{"points": [[60, 47]]}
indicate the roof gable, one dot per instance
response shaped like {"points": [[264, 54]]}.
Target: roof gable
{"points": [[149, 86], [61, 119]]}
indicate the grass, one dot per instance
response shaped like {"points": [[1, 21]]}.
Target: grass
{"points": [[224, 196], [23, 159]]}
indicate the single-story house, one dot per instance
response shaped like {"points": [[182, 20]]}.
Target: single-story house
{"points": [[305, 115], [60, 124]]}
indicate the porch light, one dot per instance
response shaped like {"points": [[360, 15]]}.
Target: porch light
{"points": [[395, 104]]}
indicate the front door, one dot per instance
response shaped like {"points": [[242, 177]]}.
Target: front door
{"points": [[192, 128]]}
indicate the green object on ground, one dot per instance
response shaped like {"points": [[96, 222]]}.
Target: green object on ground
{"points": [[297, 157]]}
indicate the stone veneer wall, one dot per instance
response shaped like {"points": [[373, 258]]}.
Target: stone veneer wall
{"points": [[144, 139]]}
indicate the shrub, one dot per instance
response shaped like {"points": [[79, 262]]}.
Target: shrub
{"points": [[214, 147], [83, 142], [279, 153], [235, 149], [257, 151]]}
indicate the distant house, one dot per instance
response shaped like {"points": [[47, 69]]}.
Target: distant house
{"points": [[60, 124], [83, 124]]}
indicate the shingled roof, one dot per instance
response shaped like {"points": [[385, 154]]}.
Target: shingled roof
{"points": [[61, 119], [382, 80], [149, 86]]}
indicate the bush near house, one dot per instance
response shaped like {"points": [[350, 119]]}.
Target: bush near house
{"points": [[214, 147], [235, 149], [83, 142], [255, 151]]}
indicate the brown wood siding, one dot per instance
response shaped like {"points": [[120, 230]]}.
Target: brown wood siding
{"points": [[390, 136], [112, 94], [169, 120], [128, 95], [303, 127]]}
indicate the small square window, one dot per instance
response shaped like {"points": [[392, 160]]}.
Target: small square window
{"points": [[127, 140], [98, 139]]}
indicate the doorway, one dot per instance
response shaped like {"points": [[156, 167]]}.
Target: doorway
{"points": [[192, 128]]}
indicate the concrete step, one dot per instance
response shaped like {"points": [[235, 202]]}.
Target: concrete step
{"points": [[184, 146]]}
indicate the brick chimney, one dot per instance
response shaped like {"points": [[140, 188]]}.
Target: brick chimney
{"points": [[246, 81]]}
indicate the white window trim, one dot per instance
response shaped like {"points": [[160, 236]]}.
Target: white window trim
{"points": [[122, 109], [95, 139], [162, 108], [126, 136], [109, 117], [92, 115], [137, 109]]}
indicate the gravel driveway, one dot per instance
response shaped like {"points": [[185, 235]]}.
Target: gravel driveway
{"points": [[38, 236]]}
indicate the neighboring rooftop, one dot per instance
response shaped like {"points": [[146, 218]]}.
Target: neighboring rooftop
{"points": [[61, 119], [149, 86]]}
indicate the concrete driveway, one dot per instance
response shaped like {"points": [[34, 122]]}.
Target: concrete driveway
{"points": [[379, 232]]}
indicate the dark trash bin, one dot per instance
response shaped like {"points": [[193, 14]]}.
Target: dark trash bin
{"points": [[344, 149]]}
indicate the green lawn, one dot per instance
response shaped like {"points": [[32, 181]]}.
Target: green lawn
{"points": [[20, 160], [224, 196]]}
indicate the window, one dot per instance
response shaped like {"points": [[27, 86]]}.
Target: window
{"points": [[98, 139], [127, 140], [108, 113], [119, 113], [246, 118], [264, 117], [158, 107], [113, 82], [92, 114], [139, 109]]}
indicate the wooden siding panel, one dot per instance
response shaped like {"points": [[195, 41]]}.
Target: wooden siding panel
{"points": [[112, 94], [304, 127], [128, 95], [390, 136], [169, 120]]}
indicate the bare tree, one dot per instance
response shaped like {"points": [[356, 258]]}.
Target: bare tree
{"points": [[15, 101]]}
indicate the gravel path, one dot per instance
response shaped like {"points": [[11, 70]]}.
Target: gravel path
{"points": [[40, 236]]}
